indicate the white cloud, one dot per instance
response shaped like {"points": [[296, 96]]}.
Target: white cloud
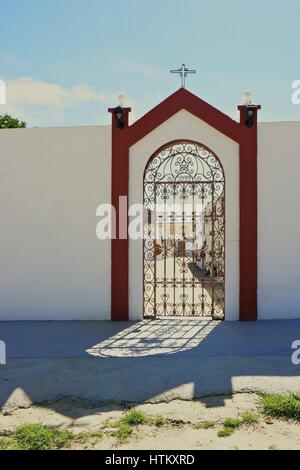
{"points": [[26, 91], [41, 103]]}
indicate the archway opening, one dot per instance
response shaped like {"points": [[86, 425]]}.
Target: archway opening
{"points": [[184, 243]]}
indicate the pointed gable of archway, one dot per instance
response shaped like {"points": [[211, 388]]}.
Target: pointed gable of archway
{"points": [[125, 136], [183, 99]]}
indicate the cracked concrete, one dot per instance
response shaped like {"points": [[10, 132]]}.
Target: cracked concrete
{"points": [[153, 361]]}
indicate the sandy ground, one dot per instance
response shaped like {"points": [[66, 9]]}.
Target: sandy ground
{"points": [[179, 432]]}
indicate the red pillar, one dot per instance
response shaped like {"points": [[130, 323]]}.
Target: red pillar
{"points": [[120, 246], [248, 213]]}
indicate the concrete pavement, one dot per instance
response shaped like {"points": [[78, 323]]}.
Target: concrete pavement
{"points": [[161, 360]]}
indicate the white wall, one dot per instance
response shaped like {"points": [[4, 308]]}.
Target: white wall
{"points": [[186, 126], [279, 220], [52, 266]]}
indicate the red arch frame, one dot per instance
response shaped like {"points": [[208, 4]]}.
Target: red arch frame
{"points": [[123, 139]]}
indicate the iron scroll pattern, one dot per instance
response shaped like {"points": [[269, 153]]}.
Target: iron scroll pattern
{"points": [[184, 242]]}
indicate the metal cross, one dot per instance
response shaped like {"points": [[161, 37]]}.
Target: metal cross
{"points": [[183, 71]]}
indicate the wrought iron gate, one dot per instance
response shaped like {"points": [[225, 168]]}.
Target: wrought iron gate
{"points": [[184, 242]]}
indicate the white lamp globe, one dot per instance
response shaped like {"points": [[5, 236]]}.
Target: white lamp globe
{"points": [[247, 98], [121, 101]]}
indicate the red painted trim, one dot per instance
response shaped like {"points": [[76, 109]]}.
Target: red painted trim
{"points": [[248, 217], [119, 247], [123, 139], [184, 99]]}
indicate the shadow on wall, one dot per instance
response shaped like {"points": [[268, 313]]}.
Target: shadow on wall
{"points": [[160, 360]]}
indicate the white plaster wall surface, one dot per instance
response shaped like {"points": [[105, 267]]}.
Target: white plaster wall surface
{"points": [[279, 220], [186, 126], [52, 266]]}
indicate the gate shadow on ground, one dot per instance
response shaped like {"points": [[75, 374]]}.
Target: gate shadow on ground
{"points": [[160, 360]]}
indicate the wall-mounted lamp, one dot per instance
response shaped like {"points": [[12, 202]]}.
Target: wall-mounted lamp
{"points": [[250, 116], [250, 110], [119, 112]]}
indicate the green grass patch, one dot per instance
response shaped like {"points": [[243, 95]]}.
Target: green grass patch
{"points": [[225, 432], [249, 418], [124, 427], [159, 421], [8, 443], [205, 425], [87, 437], [38, 437], [230, 425], [233, 423], [135, 418], [123, 433], [285, 406]]}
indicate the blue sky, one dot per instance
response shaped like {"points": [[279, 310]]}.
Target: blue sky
{"points": [[65, 61]]}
